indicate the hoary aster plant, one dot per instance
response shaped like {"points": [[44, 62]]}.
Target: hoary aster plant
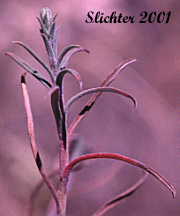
{"points": [[57, 70]]}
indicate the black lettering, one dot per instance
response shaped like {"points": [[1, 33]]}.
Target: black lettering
{"points": [[105, 19], [168, 16], [125, 19], [131, 19], [120, 18], [144, 14], [97, 16], [160, 17], [113, 17], [152, 17], [101, 18], [90, 13]]}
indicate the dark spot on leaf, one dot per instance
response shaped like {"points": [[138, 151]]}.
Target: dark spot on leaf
{"points": [[38, 161], [86, 109]]}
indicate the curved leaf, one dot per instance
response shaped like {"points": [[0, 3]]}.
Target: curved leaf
{"points": [[114, 156], [74, 73], [98, 89], [116, 72], [93, 99], [66, 54], [29, 69]]}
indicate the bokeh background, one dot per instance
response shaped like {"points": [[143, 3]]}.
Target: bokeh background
{"points": [[149, 134]]}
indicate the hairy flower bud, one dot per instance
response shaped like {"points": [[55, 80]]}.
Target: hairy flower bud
{"points": [[46, 17]]}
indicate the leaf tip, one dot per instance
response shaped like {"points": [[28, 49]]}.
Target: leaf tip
{"points": [[17, 42], [23, 78], [134, 60], [135, 103], [173, 191], [80, 84], [86, 50], [7, 53]]}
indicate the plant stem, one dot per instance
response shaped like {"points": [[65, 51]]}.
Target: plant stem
{"points": [[57, 102]]}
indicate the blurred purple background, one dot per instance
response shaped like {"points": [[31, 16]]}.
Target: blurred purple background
{"points": [[149, 134]]}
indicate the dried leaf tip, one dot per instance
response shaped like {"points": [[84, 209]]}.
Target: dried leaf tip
{"points": [[23, 78], [7, 53], [86, 50]]}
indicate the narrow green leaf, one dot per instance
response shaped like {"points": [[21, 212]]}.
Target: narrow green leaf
{"points": [[66, 54], [51, 31], [37, 58], [54, 17], [46, 22], [98, 89], [43, 28], [51, 56], [29, 69], [55, 41]]}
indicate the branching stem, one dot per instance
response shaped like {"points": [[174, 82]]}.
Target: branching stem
{"points": [[58, 68]]}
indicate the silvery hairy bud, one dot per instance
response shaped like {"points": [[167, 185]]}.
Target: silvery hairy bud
{"points": [[46, 17]]}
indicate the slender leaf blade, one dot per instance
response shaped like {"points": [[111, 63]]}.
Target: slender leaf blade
{"points": [[29, 69], [55, 41], [74, 73], [52, 38], [93, 99], [37, 58], [43, 28], [51, 55], [98, 89], [119, 157], [54, 17], [66, 54]]}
